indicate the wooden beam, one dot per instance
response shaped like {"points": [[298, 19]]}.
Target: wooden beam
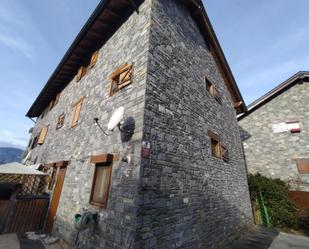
{"points": [[104, 158]]}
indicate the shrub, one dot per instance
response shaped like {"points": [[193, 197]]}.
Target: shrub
{"points": [[275, 194]]}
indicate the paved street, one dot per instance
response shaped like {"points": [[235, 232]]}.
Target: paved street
{"points": [[266, 238], [289, 241]]}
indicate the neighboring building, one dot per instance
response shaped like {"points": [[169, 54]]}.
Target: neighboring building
{"points": [[275, 133], [180, 181]]}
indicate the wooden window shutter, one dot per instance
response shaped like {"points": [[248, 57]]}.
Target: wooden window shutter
{"points": [[81, 73], [51, 105], [120, 78], [42, 136], [303, 165], [56, 99], [94, 59], [224, 153], [60, 122], [125, 77], [76, 112]]}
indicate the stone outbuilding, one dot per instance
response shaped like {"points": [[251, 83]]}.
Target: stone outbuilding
{"points": [[275, 133], [173, 174]]}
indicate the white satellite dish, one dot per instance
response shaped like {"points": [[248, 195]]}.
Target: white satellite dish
{"points": [[116, 118]]}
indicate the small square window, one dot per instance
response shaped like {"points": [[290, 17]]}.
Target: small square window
{"points": [[60, 122], [215, 148], [122, 77], [224, 153], [213, 91], [101, 184]]}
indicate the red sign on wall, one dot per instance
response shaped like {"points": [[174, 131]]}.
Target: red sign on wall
{"points": [[145, 149]]}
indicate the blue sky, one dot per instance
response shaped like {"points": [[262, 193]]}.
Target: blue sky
{"points": [[264, 41]]}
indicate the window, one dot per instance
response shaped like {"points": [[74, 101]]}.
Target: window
{"points": [[224, 153], [54, 102], [101, 184], [215, 144], [81, 73], [94, 59], [217, 149], [303, 165], [76, 112], [34, 142], [121, 78], [213, 91], [60, 121], [42, 135]]}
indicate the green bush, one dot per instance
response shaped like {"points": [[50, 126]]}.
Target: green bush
{"points": [[275, 193]]}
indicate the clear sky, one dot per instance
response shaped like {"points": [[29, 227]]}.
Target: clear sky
{"points": [[265, 42]]}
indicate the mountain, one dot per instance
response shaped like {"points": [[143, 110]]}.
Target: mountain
{"points": [[9, 154]]}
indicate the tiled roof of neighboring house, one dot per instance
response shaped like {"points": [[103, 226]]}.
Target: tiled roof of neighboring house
{"points": [[300, 77], [102, 24]]}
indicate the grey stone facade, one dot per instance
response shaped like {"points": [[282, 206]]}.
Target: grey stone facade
{"points": [[181, 196], [190, 199], [275, 154]]}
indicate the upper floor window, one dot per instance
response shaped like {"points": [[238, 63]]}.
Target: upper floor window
{"points": [[54, 102], [121, 78], [60, 121], [76, 112], [81, 73], [217, 149], [83, 69], [42, 135], [94, 59], [212, 89]]}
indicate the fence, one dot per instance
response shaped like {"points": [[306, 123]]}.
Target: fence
{"points": [[25, 208], [31, 184], [23, 214]]}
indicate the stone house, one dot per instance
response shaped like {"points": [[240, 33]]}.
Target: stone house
{"points": [[275, 133], [180, 180]]}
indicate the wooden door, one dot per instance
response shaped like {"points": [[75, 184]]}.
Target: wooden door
{"points": [[55, 200]]}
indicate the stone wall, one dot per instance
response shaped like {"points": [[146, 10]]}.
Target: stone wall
{"points": [[189, 198], [274, 154], [181, 196], [117, 224]]}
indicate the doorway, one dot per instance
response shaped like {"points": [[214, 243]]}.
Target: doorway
{"points": [[58, 175]]}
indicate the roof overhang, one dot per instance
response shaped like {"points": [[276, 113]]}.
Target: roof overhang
{"points": [[103, 23], [199, 14], [300, 77]]}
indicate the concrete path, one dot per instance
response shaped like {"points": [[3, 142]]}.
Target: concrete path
{"points": [[267, 238], [14, 241], [258, 237], [9, 241], [289, 241]]}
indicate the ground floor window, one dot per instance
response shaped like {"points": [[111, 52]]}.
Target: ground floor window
{"points": [[101, 184]]}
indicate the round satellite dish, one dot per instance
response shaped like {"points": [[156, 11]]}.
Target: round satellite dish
{"points": [[116, 118]]}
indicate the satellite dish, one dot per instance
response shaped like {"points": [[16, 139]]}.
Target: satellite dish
{"points": [[116, 118]]}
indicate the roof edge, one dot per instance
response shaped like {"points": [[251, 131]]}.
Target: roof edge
{"points": [[299, 77], [70, 50]]}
